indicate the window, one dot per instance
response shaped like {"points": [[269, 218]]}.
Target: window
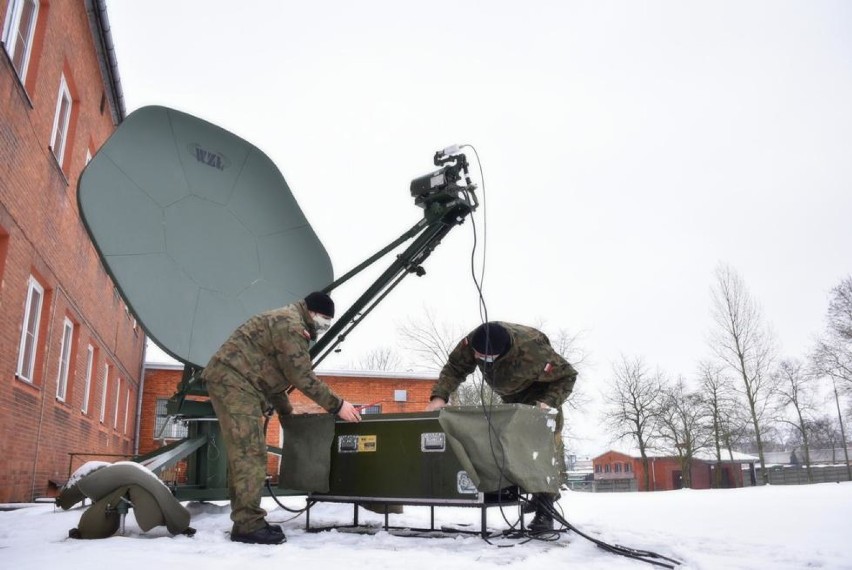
{"points": [[115, 409], [60, 121], [373, 409], [87, 386], [126, 409], [104, 392], [597, 468], [618, 467], [64, 360], [166, 427], [627, 468], [607, 468], [18, 33], [29, 331]]}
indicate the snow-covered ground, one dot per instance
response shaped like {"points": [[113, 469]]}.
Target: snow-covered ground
{"points": [[776, 527]]}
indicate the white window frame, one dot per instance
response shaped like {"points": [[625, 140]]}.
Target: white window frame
{"points": [[104, 387], [64, 360], [117, 400], [165, 426], [12, 33], [61, 121], [30, 331], [87, 387], [126, 408]]}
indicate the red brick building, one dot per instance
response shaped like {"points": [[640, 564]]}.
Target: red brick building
{"points": [[375, 392], [666, 472], [70, 352]]}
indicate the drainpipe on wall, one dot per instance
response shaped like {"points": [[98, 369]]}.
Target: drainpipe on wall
{"points": [[142, 367], [99, 21], [45, 393], [654, 474]]}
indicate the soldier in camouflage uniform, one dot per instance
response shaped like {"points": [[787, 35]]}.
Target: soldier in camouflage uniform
{"points": [[521, 367], [252, 370]]}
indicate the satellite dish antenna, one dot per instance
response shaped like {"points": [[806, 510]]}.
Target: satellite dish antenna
{"points": [[197, 228]]}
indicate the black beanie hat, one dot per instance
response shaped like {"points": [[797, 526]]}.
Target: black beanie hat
{"points": [[495, 335], [319, 302]]}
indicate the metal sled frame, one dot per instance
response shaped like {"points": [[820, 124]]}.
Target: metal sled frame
{"points": [[484, 501]]}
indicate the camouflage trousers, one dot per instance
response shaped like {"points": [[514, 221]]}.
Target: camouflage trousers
{"points": [[239, 409]]}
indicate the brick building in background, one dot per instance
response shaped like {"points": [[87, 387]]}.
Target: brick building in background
{"points": [[374, 392], [70, 353], [624, 471]]}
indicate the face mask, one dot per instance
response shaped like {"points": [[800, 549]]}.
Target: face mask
{"points": [[484, 357], [321, 322]]}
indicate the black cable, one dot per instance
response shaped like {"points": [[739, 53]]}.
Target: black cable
{"points": [[483, 311], [516, 529], [308, 504], [643, 555], [549, 508]]}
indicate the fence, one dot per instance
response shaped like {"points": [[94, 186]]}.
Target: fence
{"points": [[604, 486], [798, 474]]}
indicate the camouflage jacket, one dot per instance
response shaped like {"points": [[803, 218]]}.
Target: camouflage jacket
{"points": [[270, 352], [531, 371]]}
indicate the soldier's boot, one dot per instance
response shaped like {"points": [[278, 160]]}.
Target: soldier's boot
{"points": [[268, 534], [543, 520]]}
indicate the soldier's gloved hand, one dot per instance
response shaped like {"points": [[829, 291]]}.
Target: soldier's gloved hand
{"points": [[435, 404], [348, 413]]}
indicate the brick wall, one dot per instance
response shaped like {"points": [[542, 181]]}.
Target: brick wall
{"points": [[663, 471], [41, 234]]}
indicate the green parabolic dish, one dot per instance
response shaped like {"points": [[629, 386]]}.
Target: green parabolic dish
{"points": [[198, 229]]}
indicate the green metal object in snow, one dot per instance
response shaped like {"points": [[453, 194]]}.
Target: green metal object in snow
{"points": [[198, 229], [451, 457]]}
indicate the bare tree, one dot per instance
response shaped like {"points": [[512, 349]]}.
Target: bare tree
{"points": [[725, 421], [430, 340], [475, 392], [632, 402], [682, 425], [833, 354], [796, 391], [568, 345], [825, 434], [380, 359], [832, 357], [743, 342], [840, 309]]}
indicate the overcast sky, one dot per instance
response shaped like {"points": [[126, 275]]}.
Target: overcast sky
{"points": [[628, 148]]}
